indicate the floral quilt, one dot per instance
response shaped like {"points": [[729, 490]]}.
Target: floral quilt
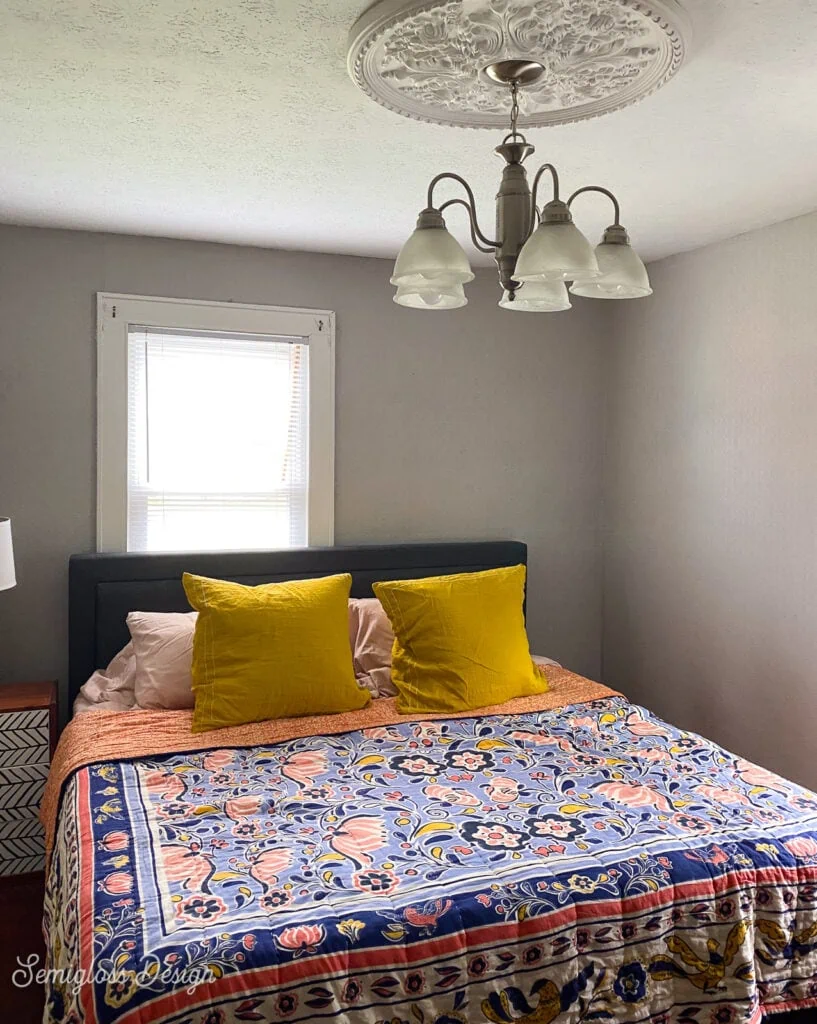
{"points": [[591, 863]]}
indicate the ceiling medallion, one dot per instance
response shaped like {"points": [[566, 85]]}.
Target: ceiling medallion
{"points": [[431, 59]]}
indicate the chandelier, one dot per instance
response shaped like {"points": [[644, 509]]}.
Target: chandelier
{"points": [[463, 62], [537, 251]]}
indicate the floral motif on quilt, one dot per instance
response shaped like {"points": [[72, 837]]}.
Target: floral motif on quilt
{"points": [[590, 863]]}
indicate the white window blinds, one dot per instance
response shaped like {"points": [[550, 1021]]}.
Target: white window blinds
{"points": [[218, 440]]}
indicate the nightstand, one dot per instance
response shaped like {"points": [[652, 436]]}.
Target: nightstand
{"points": [[28, 734]]}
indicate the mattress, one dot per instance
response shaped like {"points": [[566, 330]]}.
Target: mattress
{"points": [[569, 857]]}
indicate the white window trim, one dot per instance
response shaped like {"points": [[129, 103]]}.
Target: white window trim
{"points": [[115, 312]]}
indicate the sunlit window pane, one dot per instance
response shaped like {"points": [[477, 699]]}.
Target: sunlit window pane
{"points": [[218, 440]]}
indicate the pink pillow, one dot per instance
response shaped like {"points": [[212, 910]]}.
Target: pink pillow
{"points": [[163, 646], [372, 639]]}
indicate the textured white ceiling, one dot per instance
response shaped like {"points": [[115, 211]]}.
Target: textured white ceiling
{"points": [[236, 121]]}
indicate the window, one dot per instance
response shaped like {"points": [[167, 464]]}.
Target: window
{"points": [[215, 425]]}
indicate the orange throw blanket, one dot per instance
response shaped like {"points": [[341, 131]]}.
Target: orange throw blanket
{"points": [[98, 736]]}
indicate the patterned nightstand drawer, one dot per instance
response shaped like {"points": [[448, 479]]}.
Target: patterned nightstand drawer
{"points": [[19, 829], [22, 841], [24, 755], [14, 814], [22, 785], [23, 853], [11, 721], [27, 736]]}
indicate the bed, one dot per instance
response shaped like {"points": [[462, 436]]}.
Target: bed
{"points": [[566, 857]]}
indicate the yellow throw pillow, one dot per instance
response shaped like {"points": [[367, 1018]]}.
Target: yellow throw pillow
{"points": [[278, 650], [460, 641]]}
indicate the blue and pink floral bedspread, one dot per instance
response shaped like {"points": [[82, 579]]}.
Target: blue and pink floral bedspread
{"points": [[590, 863]]}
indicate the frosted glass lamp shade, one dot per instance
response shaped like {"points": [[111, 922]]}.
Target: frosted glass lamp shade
{"points": [[624, 275], [538, 297], [556, 252], [432, 252], [7, 577], [431, 293]]}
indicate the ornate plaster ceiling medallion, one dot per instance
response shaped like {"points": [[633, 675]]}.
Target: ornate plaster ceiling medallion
{"points": [[428, 59]]}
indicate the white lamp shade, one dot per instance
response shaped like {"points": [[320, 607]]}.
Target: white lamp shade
{"points": [[7, 577], [556, 252], [624, 275], [538, 297], [438, 293], [432, 253]]}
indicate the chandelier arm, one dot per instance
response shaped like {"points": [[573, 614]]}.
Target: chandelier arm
{"points": [[554, 174], [475, 238], [604, 192], [472, 204]]}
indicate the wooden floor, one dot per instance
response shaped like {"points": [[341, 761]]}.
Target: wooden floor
{"points": [[21, 903]]}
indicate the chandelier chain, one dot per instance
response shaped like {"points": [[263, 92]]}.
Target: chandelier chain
{"points": [[514, 109]]}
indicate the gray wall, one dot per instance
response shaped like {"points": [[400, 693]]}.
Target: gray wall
{"points": [[448, 426], [710, 596]]}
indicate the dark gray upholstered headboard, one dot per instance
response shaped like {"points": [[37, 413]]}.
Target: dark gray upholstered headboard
{"points": [[103, 588]]}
